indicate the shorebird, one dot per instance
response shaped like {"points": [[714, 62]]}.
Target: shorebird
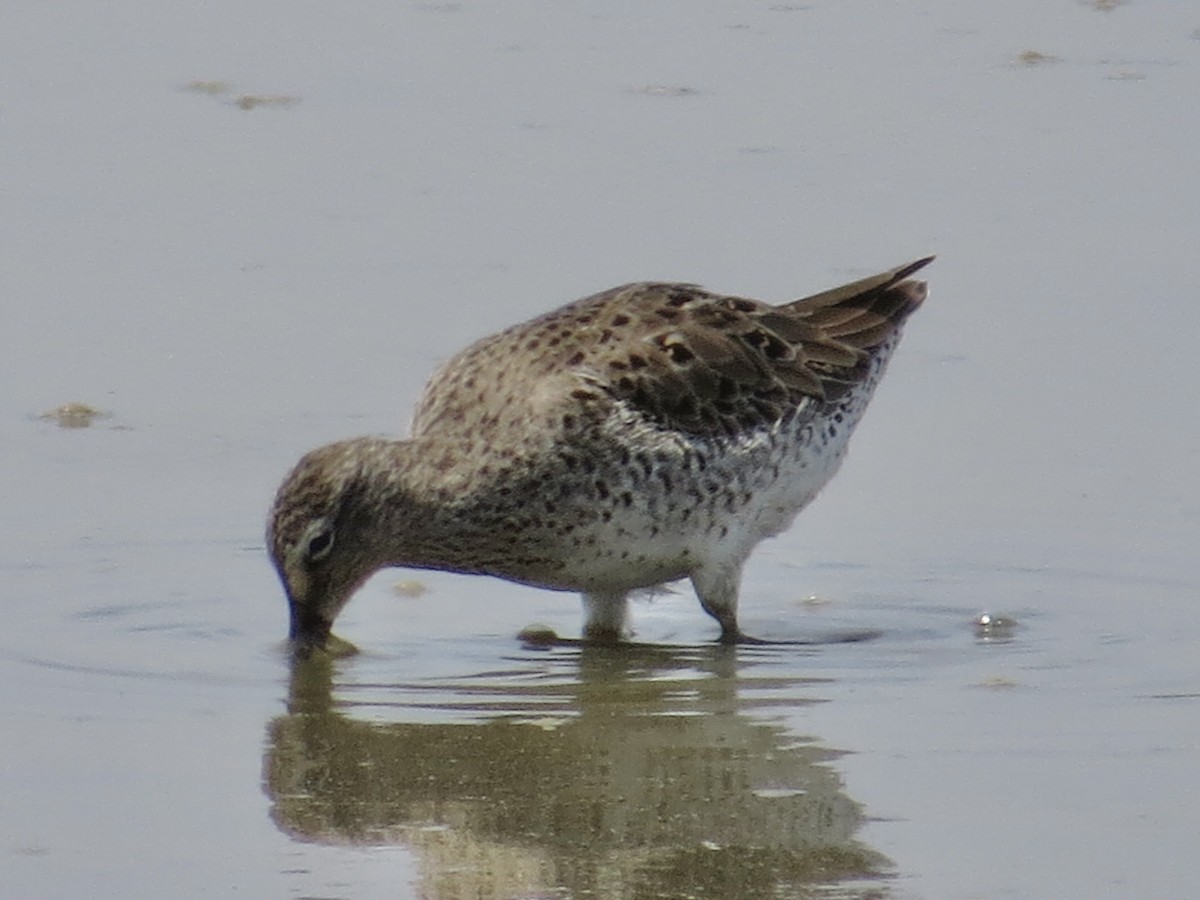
{"points": [[652, 432]]}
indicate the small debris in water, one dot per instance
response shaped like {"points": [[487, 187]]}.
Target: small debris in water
{"points": [[410, 587], [218, 89], [994, 627], [212, 88], [1036, 58], [31, 850], [74, 415], [538, 635], [999, 683], [275, 101]]}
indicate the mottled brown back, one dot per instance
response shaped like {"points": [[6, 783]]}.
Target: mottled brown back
{"points": [[688, 359]]}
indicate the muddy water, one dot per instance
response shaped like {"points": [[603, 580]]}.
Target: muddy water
{"points": [[231, 234]]}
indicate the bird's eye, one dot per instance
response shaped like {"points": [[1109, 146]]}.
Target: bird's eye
{"points": [[319, 545]]}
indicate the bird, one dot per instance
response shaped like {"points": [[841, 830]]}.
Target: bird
{"points": [[648, 433]]}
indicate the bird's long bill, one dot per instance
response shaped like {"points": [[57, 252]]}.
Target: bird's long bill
{"points": [[307, 631]]}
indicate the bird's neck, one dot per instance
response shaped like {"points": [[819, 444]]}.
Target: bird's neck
{"points": [[418, 504]]}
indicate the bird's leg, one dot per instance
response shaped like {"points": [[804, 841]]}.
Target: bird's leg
{"points": [[605, 617], [717, 588]]}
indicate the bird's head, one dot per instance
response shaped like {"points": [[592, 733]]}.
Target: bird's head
{"points": [[318, 538]]}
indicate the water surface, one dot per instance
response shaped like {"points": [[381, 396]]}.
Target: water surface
{"points": [[236, 233]]}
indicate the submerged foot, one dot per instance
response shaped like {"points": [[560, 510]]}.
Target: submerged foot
{"points": [[738, 637]]}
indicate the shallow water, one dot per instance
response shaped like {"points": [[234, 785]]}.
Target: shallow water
{"points": [[236, 233]]}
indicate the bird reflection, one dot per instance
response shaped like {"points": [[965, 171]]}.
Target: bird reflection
{"points": [[612, 772]]}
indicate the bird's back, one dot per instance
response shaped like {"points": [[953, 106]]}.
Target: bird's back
{"points": [[687, 359]]}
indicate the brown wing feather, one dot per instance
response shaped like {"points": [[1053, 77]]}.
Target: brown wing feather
{"points": [[721, 364], [684, 357]]}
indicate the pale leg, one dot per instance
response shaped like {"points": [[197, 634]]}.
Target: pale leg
{"points": [[605, 617], [717, 587]]}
